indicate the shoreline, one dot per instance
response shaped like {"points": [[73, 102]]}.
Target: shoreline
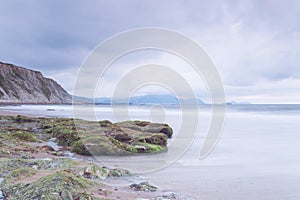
{"points": [[12, 113]]}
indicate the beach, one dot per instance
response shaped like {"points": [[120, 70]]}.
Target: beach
{"points": [[32, 161], [255, 158]]}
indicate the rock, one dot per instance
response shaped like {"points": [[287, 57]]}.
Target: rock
{"points": [[142, 149], [105, 123], [95, 171], [137, 127], [167, 130], [173, 195], [11, 164], [85, 138], [121, 136], [104, 192], [80, 148], [159, 128], [60, 185], [119, 172], [58, 153], [66, 195], [158, 139], [46, 148], [97, 145], [102, 173], [22, 119], [144, 186], [142, 123], [65, 135], [21, 85], [23, 136]]}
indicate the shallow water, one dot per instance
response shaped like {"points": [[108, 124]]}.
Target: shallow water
{"points": [[257, 156]]}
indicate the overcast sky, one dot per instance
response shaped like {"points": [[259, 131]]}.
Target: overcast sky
{"points": [[254, 44]]}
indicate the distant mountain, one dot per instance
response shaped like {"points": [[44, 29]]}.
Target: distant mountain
{"points": [[84, 100], [154, 99], [147, 100], [21, 85], [239, 103]]}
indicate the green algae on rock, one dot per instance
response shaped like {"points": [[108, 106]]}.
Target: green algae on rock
{"points": [[53, 179], [144, 186], [12, 164], [95, 171], [53, 186], [22, 136], [85, 137]]}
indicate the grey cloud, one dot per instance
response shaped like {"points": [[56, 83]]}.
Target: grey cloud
{"points": [[249, 40]]}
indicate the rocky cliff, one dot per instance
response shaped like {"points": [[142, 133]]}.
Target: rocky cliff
{"points": [[21, 85]]}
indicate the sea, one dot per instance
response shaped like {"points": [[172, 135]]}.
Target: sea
{"points": [[256, 155]]}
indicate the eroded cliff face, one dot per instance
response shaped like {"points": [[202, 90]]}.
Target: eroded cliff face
{"points": [[21, 85]]}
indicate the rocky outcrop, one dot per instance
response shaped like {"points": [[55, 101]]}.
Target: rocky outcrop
{"points": [[83, 137], [21, 85]]}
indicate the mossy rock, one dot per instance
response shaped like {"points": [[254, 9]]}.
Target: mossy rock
{"points": [[23, 136], [65, 136], [167, 130], [157, 139], [95, 171], [105, 123], [2, 144], [105, 145], [159, 128], [86, 137], [144, 127], [144, 147], [20, 173], [79, 147], [55, 186], [22, 119], [8, 165], [143, 186], [102, 145], [142, 123], [99, 145]]}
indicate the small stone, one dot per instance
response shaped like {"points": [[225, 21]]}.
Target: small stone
{"points": [[144, 186], [46, 148], [34, 167]]}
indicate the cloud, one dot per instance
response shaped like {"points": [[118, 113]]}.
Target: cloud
{"points": [[278, 91], [251, 42]]}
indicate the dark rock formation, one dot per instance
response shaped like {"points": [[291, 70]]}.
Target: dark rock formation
{"points": [[21, 85]]}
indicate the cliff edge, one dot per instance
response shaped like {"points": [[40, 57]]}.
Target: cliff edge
{"points": [[21, 85]]}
